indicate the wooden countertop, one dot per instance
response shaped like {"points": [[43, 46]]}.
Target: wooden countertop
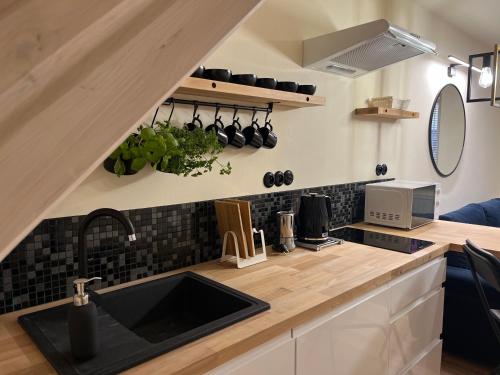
{"points": [[299, 286], [448, 232]]}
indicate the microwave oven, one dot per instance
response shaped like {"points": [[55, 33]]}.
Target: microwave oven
{"points": [[401, 204]]}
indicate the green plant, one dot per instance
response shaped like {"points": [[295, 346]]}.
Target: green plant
{"points": [[170, 149]]}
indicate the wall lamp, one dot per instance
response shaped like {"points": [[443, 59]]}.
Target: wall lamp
{"points": [[487, 77], [452, 69]]}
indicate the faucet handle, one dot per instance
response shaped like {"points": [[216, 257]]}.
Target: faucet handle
{"points": [[81, 297]]}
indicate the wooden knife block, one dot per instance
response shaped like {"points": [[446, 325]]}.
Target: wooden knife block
{"points": [[234, 220]]}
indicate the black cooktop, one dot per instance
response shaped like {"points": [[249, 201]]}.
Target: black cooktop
{"points": [[381, 240]]}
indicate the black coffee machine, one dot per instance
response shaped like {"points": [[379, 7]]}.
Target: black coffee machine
{"points": [[315, 213]]}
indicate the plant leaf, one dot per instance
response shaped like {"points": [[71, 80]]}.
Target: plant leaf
{"points": [[138, 164], [119, 167]]}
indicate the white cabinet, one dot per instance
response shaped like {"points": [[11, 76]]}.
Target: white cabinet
{"points": [[413, 330], [276, 357], [392, 330], [384, 332], [349, 341]]}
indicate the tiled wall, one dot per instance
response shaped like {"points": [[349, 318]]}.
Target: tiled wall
{"points": [[44, 264]]}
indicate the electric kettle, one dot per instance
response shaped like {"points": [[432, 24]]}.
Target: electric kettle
{"points": [[315, 213]]}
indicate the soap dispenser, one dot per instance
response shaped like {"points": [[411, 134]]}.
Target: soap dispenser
{"points": [[82, 322]]}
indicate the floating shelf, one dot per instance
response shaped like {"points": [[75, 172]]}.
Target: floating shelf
{"points": [[387, 113], [231, 91]]}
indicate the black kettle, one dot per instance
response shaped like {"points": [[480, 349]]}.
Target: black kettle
{"points": [[315, 213]]}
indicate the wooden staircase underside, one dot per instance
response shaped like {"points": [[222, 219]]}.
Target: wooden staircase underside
{"points": [[77, 76]]}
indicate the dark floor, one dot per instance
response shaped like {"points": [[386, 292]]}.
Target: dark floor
{"points": [[453, 365]]}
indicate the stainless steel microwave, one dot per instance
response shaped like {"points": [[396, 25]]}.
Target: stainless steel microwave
{"points": [[401, 204]]}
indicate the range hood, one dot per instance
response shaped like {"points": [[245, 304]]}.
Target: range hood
{"points": [[361, 49]]}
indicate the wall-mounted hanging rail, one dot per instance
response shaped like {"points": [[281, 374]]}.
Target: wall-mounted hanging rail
{"points": [[269, 107], [173, 101]]}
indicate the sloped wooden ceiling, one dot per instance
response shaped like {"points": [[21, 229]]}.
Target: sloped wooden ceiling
{"points": [[75, 78]]}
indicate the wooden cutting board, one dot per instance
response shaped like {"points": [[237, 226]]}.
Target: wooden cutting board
{"points": [[246, 219], [229, 219]]}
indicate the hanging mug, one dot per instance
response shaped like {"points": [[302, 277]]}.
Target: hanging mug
{"points": [[195, 122], [218, 128], [234, 135], [269, 138], [252, 135]]}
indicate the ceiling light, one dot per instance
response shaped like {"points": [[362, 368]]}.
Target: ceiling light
{"points": [[486, 78]]}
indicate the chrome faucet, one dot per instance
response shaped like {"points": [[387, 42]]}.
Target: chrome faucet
{"points": [[82, 248]]}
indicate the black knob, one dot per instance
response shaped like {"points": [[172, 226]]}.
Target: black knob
{"points": [[384, 169], [288, 177], [268, 179], [378, 169], [279, 178]]}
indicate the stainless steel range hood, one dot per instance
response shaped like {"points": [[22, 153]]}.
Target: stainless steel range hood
{"points": [[361, 49]]}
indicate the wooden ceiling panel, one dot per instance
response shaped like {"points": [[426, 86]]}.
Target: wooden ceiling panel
{"points": [[78, 78]]}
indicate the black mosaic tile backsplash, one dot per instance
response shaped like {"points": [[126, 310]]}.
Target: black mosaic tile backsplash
{"points": [[42, 267]]}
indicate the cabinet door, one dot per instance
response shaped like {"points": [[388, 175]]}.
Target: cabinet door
{"points": [[276, 357], [352, 342]]}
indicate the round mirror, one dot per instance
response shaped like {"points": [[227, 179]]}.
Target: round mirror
{"points": [[447, 130]]}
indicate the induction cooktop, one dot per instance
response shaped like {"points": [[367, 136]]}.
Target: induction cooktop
{"points": [[381, 240]]}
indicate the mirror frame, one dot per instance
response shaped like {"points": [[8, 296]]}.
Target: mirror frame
{"points": [[430, 128]]}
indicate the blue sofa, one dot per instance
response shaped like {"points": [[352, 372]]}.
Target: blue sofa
{"points": [[466, 330]]}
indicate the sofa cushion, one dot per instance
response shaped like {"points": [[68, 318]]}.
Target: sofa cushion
{"points": [[492, 211], [466, 330], [457, 259], [471, 214]]}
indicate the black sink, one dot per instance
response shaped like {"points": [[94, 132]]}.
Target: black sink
{"points": [[143, 321], [183, 307]]}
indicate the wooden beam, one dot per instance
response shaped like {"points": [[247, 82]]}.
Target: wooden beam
{"points": [[77, 76]]}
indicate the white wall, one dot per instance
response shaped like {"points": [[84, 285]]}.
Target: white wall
{"points": [[325, 145]]}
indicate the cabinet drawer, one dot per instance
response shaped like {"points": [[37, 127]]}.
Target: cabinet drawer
{"points": [[272, 358], [415, 284], [414, 330], [354, 342], [430, 363]]}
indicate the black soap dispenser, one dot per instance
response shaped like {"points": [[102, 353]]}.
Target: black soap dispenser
{"points": [[82, 323]]}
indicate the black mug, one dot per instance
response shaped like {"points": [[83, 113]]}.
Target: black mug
{"points": [[221, 134], [195, 123], [252, 135], [234, 134], [268, 136]]}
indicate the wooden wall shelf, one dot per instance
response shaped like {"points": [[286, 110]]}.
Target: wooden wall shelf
{"points": [[386, 113], [234, 92]]}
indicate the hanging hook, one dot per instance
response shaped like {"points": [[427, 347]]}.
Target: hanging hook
{"points": [[235, 112], [217, 109], [154, 117], [171, 112], [268, 112], [254, 113], [195, 109]]}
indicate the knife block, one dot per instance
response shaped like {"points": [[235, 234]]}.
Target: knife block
{"points": [[235, 228]]}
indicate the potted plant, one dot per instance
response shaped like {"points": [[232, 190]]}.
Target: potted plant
{"points": [[168, 149]]}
